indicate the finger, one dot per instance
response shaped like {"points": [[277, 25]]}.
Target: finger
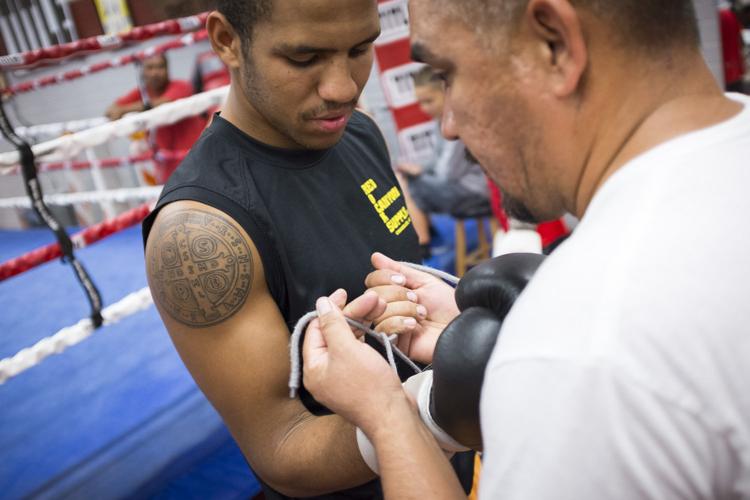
{"points": [[411, 277], [388, 277], [314, 344], [384, 277], [336, 331], [338, 297], [403, 309], [364, 307], [403, 343], [399, 325], [393, 293]]}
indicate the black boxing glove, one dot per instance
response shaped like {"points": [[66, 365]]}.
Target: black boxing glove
{"points": [[497, 283], [485, 295], [461, 356], [448, 395]]}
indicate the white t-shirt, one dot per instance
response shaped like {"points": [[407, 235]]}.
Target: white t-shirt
{"points": [[623, 371]]}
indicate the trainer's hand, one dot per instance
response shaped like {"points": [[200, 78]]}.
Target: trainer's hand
{"points": [[344, 374], [364, 309], [419, 306]]}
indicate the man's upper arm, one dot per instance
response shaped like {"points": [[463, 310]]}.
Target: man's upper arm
{"points": [[208, 283], [129, 98]]}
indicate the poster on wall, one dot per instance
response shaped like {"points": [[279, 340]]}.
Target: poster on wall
{"points": [[114, 16], [417, 132]]}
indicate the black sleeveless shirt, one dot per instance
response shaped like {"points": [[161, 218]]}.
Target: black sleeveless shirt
{"points": [[315, 217]]}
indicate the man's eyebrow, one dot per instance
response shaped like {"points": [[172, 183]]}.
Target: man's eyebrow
{"points": [[420, 53], [287, 48]]}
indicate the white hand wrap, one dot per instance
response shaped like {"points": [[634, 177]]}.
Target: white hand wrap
{"points": [[419, 387], [367, 450]]}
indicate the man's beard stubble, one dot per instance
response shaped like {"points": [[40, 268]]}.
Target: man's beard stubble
{"points": [[256, 95], [513, 208], [516, 209]]}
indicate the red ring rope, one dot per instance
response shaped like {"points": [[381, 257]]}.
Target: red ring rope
{"points": [[28, 86], [57, 53], [81, 239]]}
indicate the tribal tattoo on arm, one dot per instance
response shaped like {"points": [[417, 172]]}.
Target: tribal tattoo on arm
{"points": [[201, 267]]}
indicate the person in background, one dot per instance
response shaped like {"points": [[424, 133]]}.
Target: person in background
{"points": [[731, 44], [742, 8], [159, 89], [210, 73], [455, 184]]}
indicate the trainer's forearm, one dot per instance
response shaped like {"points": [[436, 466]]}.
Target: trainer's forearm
{"points": [[412, 465], [318, 455]]}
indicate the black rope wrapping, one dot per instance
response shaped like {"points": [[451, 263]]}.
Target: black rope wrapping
{"points": [[34, 192]]}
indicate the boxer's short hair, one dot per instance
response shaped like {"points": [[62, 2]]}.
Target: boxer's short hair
{"points": [[243, 15]]}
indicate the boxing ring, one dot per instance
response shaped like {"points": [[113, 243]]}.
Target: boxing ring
{"points": [[107, 412]]}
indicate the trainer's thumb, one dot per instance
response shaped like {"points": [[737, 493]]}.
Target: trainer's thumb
{"points": [[335, 329]]}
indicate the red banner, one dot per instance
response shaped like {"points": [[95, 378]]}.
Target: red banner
{"points": [[417, 132]]}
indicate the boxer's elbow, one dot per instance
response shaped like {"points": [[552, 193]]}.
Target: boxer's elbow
{"points": [[302, 461]]}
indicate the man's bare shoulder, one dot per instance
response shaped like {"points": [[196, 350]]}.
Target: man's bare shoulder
{"points": [[200, 264]]}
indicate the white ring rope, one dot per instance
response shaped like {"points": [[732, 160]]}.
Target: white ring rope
{"points": [[68, 146], [72, 335], [54, 130], [112, 195]]}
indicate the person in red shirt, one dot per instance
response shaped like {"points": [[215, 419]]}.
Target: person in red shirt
{"points": [[210, 73], [160, 89], [731, 42]]}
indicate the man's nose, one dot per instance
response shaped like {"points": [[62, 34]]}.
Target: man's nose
{"points": [[336, 83], [448, 124]]}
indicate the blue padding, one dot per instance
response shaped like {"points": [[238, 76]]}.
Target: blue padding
{"points": [[443, 241], [222, 474], [115, 416]]}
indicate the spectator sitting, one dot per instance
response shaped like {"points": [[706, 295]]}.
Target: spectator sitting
{"points": [[731, 42], [160, 89], [454, 185]]}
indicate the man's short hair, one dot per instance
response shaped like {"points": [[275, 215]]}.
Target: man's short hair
{"points": [[649, 25], [243, 15], [425, 77]]}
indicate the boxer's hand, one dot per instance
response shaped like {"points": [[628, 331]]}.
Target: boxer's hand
{"points": [[432, 292], [346, 375], [419, 306]]}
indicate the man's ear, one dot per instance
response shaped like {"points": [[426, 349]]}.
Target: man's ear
{"points": [[555, 27], [224, 40]]}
